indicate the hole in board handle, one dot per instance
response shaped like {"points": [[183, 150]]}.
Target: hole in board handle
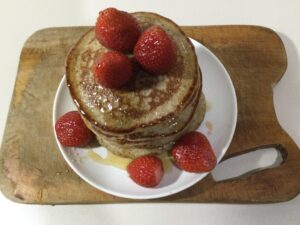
{"points": [[254, 160]]}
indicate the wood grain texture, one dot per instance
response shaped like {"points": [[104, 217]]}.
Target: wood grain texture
{"points": [[33, 171]]}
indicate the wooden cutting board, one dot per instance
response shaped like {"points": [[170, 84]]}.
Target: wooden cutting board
{"points": [[32, 169]]}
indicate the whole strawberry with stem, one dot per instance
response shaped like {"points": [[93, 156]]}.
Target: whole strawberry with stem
{"points": [[193, 153], [155, 51], [117, 30], [71, 131], [146, 171]]}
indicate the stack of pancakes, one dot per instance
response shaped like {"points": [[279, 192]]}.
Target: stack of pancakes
{"points": [[148, 114]]}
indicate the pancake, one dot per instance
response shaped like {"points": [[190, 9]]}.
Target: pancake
{"points": [[156, 145], [149, 113]]}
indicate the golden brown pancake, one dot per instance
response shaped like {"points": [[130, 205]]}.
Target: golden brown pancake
{"points": [[151, 111]]}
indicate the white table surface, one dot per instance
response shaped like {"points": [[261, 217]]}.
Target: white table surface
{"points": [[19, 19]]}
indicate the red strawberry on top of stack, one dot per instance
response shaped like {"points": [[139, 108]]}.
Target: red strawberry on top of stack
{"points": [[117, 30], [112, 69], [155, 51]]}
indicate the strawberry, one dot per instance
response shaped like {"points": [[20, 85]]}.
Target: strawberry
{"points": [[71, 130], [193, 153], [112, 69], [155, 51], [146, 171], [117, 30]]}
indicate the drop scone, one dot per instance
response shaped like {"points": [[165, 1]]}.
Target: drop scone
{"points": [[149, 113]]}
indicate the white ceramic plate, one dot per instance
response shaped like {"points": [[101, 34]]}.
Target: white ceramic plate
{"points": [[219, 125]]}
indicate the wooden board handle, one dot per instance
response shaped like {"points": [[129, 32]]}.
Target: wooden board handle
{"points": [[260, 185]]}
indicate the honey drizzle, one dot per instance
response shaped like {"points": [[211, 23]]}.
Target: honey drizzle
{"points": [[121, 162], [208, 105], [110, 159], [209, 125]]}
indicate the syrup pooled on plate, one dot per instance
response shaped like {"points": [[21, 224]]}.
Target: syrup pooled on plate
{"points": [[122, 162], [110, 159]]}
